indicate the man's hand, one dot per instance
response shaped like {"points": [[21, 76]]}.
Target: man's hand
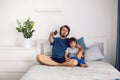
{"points": [[51, 36], [78, 46], [81, 50]]}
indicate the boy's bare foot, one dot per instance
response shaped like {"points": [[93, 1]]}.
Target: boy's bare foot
{"points": [[83, 65]]}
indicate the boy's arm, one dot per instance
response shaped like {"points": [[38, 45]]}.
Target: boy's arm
{"points": [[81, 50], [66, 54]]}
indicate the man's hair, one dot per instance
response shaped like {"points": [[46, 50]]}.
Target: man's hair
{"points": [[73, 39], [66, 26]]}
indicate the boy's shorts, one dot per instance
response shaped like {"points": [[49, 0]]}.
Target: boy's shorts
{"points": [[80, 61]]}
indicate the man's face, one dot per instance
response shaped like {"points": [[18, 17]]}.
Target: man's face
{"points": [[64, 32]]}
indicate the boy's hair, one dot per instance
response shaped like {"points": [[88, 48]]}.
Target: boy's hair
{"points": [[66, 26], [73, 39]]}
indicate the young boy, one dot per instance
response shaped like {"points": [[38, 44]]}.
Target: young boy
{"points": [[71, 53]]}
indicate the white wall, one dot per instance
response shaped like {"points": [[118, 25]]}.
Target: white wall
{"points": [[88, 18]]}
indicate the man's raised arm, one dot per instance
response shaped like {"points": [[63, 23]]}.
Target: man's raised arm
{"points": [[51, 37]]}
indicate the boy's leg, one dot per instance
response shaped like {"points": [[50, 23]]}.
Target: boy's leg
{"points": [[82, 63]]}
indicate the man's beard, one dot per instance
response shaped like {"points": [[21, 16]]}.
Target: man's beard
{"points": [[63, 36]]}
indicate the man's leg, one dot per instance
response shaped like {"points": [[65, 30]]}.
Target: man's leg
{"points": [[46, 60], [70, 62]]}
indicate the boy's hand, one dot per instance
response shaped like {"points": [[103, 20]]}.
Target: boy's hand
{"points": [[67, 59]]}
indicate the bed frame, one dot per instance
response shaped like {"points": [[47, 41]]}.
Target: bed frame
{"points": [[97, 70]]}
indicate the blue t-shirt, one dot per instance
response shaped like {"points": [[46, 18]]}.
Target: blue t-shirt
{"points": [[59, 47]]}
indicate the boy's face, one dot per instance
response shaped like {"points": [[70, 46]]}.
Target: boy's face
{"points": [[64, 32], [72, 44]]}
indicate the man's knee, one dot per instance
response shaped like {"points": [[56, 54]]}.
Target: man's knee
{"points": [[38, 57], [73, 62]]}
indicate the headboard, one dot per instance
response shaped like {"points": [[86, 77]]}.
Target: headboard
{"points": [[44, 47]]}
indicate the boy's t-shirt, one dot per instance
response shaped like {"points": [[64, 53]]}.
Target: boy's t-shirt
{"points": [[59, 47], [72, 52]]}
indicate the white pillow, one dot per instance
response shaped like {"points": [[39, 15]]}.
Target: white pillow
{"points": [[93, 53], [47, 49]]}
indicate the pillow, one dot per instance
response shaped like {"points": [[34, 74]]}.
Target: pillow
{"points": [[82, 43], [43, 47], [47, 49], [93, 53]]}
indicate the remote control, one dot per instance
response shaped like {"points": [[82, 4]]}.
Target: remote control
{"points": [[55, 32]]}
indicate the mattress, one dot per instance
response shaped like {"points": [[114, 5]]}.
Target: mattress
{"points": [[97, 70]]}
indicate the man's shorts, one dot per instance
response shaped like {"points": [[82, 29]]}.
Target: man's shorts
{"points": [[59, 60], [80, 61]]}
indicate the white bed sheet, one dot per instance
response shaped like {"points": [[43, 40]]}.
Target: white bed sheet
{"points": [[97, 70]]}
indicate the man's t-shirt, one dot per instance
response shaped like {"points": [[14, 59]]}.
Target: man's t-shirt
{"points": [[59, 47]]}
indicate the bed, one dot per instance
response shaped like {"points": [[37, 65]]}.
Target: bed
{"points": [[98, 68]]}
